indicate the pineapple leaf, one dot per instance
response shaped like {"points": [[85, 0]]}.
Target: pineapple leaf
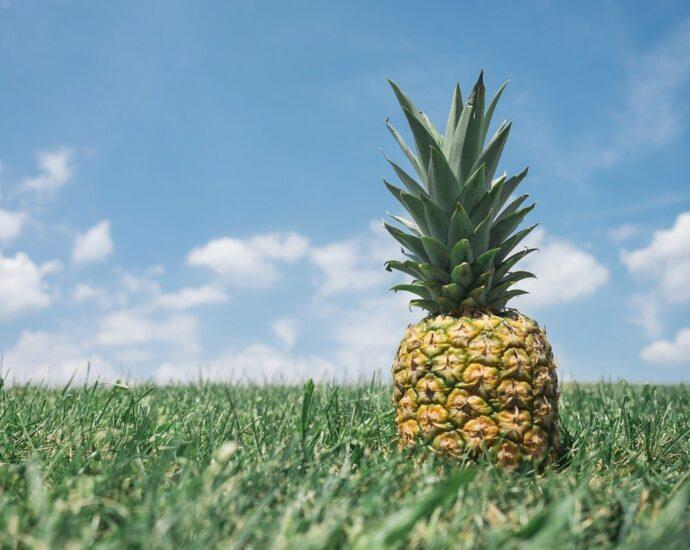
{"points": [[510, 186], [443, 185], [415, 207], [434, 273], [502, 269], [478, 294], [424, 140], [462, 275], [491, 155], [489, 201], [437, 220], [419, 290], [465, 145], [506, 226], [412, 204], [431, 307], [480, 238], [512, 242], [460, 225], [511, 208], [460, 253], [498, 290], [445, 304], [407, 223], [434, 287], [500, 302], [408, 267], [473, 189], [452, 291], [436, 251], [409, 182], [486, 122], [486, 279], [516, 276], [412, 243], [438, 138], [468, 303], [405, 149], [485, 260], [453, 117]]}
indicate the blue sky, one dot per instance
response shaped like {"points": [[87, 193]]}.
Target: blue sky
{"points": [[195, 188]]}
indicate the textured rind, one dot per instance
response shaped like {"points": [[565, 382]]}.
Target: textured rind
{"points": [[477, 384]]}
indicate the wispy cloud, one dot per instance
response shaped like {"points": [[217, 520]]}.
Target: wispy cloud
{"points": [[93, 245], [249, 262], [55, 170], [666, 260], [22, 285]]}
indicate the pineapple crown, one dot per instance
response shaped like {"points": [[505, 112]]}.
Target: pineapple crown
{"points": [[461, 232]]}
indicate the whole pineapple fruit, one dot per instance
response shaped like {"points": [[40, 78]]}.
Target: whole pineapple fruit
{"points": [[473, 377]]}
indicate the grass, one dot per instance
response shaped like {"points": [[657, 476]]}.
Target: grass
{"points": [[221, 466]]}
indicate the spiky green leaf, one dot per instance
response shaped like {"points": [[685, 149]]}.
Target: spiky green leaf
{"points": [[431, 307], [412, 243], [405, 149], [462, 275], [436, 251], [473, 189], [507, 264], [461, 227], [419, 290], [506, 226], [511, 208], [510, 186], [407, 180], [460, 253], [488, 203], [443, 185], [512, 242], [434, 273], [453, 117], [491, 155], [437, 220], [486, 122], [408, 267]]}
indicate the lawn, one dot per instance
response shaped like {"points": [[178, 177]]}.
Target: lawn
{"points": [[215, 465]]}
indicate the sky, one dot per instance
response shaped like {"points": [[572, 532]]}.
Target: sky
{"points": [[193, 189]]}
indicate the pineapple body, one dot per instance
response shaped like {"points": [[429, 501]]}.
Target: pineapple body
{"points": [[478, 384]]}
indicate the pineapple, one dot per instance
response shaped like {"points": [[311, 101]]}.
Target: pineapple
{"points": [[474, 377]]}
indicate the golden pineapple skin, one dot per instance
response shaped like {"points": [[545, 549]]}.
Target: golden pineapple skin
{"points": [[478, 383]]}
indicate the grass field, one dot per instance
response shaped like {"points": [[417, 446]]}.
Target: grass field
{"points": [[220, 466]]}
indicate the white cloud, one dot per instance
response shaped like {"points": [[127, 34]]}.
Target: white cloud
{"points": [[249, 262], [646, 314], [86, 293], [669, 352], [286, 330], [55, 170], [142, 284], [11, 224], [21, 285], [356, 264], [564, 272], [366, 334], [190, 297], [623, 232], [54, 358], [132, 328], [651, 112], [666, 259], [94, 245], [255, 363], [656, 106]]}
